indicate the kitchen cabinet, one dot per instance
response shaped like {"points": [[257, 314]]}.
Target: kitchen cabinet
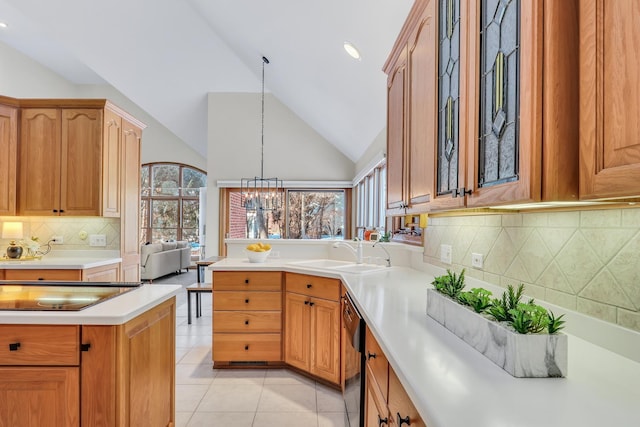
{"points": [[60, 162], [112, 164], [71, 375], [411, 114], [130, 200], [8, 158], [495, 141], [312, 325], [106, 273], [387, 403], [609, 99], [247, 317]]}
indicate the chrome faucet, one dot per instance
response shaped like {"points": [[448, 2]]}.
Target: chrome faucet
{"points": [[357, 252], [386, 251]]}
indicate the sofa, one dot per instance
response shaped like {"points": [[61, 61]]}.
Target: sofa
{"points": [[162, 258]]}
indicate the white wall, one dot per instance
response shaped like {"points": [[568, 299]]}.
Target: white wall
{"points": [[378, 145], [292, 150]]}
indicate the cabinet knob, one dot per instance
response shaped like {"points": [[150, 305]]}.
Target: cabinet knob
{"points": [[61, 210], [406, 420], [370, 355], [14, 346], [85, 347], [246, 347], [246, 281], [382, 421], [40, 278], [312, 304], [55, 210], [460, 192], [246, 301], [306, 302], [309, 285], [246, 322]]}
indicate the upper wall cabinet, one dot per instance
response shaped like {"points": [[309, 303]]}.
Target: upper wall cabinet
{"points": [[8, 159], [504, 128], [609, 99], [411, 122]]}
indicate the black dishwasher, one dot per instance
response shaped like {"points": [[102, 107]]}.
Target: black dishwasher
{"points": [[354, 384]]}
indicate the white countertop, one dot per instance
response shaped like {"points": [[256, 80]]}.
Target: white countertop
{"points": [[453, 385], [63, 262], [114, 311]]}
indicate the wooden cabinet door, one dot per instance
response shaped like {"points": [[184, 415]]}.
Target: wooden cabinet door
{"points": [[112, 164], [43, 274], [81, 162], [296, 331], [402, 410], [422, 122], [98, 373], [609, 99], [325, 339], [40, 147], [130, 205], [41, 396], [146, 382], [396, 133], [376, 410], [8, 159], [106, 273]]}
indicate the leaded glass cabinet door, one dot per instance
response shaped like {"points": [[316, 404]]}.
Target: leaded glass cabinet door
{"points": [[505, 142]]}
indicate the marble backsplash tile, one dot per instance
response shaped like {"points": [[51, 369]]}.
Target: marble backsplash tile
{"points": [[587, 261]]}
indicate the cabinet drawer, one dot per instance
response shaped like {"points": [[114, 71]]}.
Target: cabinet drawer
{"points": [[247, 321], [247, 280], [22, 345], [74, 275], [247, 347], [377, 363], [227, 300], [320, 287]]}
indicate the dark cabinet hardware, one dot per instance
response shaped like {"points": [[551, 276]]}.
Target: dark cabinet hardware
{"points": [[246, 281], [306, 302], [85, 347], [460, 192], [246, 322], [246, 347], [309, 285], [246, 301], [55, 210], [14, 346], [370, 355], [61, 210], [382, 421], [40, 278], [312, 304], [406, 420]]}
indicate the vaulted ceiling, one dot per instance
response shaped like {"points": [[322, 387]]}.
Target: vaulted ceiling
{"points": [[166, 55]]}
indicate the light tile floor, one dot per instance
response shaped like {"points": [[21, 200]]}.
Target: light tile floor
{"points": [[240, 398]]}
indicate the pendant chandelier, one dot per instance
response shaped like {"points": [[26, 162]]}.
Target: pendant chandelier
{"points": [[260, 193]]}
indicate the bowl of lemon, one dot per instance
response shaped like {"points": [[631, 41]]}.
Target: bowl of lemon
{"points": [[258, 252]]}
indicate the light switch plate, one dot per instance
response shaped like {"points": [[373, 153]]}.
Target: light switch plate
{"points": [[477, 260], [445, 253], [97, 240]]}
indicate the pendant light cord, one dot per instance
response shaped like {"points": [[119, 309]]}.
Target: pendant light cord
{"points": [[264, 61]]}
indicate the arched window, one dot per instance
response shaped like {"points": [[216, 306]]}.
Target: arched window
{"points": [[170, 202]]}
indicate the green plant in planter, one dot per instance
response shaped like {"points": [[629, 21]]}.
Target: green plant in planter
{"points": [[529, 318], [555, 323], [449, 284], [500, 308], [477, 298]]}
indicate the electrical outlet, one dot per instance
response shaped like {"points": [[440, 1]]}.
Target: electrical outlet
{"points": [[57, 240], [477, 260], [97, 240], [445, 253]]}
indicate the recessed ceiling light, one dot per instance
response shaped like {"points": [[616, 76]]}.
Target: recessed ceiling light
{"points": [[352, 50], [3, 24]]}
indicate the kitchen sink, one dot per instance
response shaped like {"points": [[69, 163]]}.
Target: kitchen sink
{"points": [[321, 263], [359, 268]]}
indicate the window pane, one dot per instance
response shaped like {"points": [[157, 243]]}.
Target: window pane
{"points": [[145, 184], [164, 214], [315, 214], [192, 180], [190, 210], [190, 234], [165, 180], [164, 234]]}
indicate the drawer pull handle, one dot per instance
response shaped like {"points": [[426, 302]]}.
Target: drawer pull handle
{"points": [[306, 302], [381, 421], [406, 420], [309, 285], [312, 304], [246, 322], [85, 347], [55, 210], [370, 355], [246, 347], [246, 281], [14, 346], [40, 278], [246, 301]]}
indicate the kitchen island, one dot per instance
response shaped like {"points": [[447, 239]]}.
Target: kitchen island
{"points": [[110, 364], [90, 266], [453, 385]]}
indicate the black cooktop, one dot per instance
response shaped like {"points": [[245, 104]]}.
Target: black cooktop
{"points": [[58, 296]]}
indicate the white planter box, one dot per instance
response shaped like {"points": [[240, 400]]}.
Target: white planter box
{"points": [[521, 355]]}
